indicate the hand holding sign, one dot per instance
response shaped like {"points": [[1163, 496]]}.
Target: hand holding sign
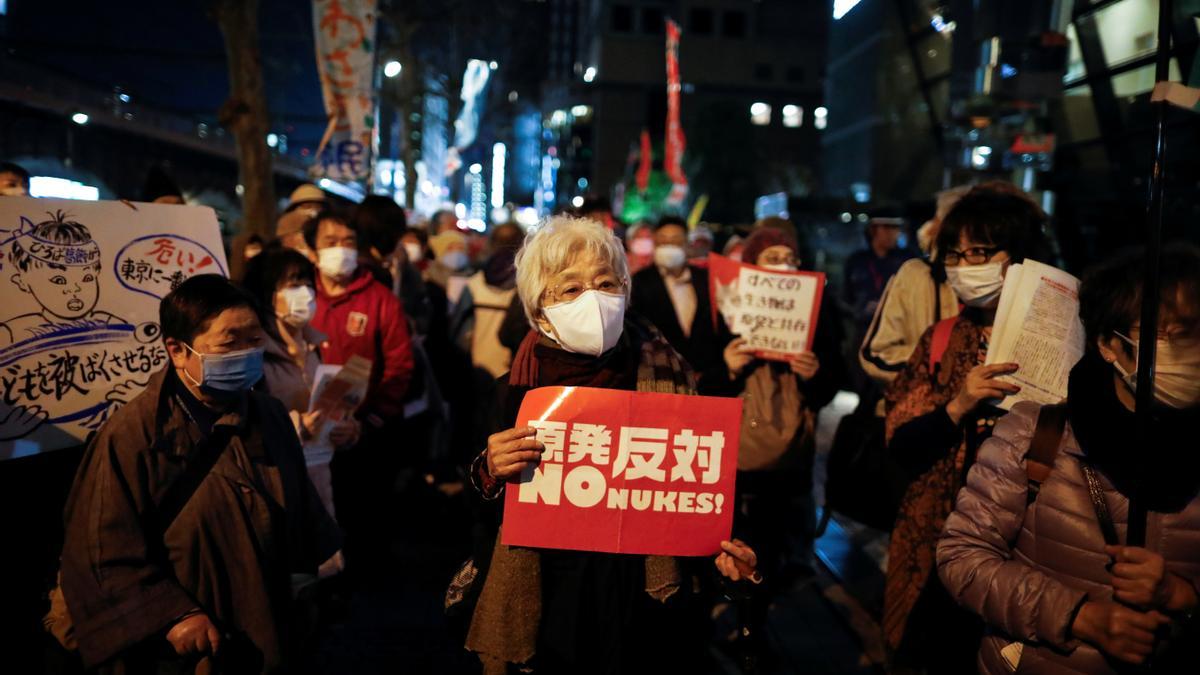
{"points": [[775, 312], [511, 452]]}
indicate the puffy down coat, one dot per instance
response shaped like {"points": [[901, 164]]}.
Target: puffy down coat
{"points": [[1027, 570]]}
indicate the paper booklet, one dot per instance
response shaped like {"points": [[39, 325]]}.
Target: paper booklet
{"points": [[1037, 327], [337, 391]]}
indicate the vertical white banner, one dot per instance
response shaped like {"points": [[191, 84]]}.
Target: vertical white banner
{"points": [[345, 42]]}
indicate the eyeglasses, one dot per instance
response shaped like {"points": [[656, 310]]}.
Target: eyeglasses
{"points": [[973, 256], [569, 290]]}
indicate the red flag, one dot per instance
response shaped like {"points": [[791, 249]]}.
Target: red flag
{"points": [[644, 161], [675, 142]]}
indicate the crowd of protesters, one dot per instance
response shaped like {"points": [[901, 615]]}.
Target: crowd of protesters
{"points": [[201, 508]]}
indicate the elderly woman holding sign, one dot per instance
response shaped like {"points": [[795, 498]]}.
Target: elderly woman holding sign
{"points": [[570, 611]]}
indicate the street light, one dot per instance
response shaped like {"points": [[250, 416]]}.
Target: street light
{"points": [[392, 69]]}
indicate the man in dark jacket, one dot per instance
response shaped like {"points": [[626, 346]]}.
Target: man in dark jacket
{"points": [[192, 507], [674, 297]]}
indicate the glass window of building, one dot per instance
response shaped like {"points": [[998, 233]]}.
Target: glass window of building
{"points": [[622, 18], [653, 22], [733, 24], [700, 20], [1128, 30], [1140, 80]]}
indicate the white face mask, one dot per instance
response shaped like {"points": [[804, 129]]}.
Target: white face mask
{"points": [[1176, 376], [301, 305], [779, 267], [670, 256], [337, 261], [414, 252], [455, 260], [590, 324], [976, 285]]}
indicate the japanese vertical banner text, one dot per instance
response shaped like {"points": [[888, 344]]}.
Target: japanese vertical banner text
{"points": [[345, 41]]}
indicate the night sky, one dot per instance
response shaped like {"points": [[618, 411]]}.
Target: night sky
{"points": [[170, 55]]}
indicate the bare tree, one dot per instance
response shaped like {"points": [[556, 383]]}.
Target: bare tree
{"points": [[245, 111]]}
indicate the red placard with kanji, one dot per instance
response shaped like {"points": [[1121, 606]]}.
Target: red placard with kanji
{"points": [[626, 472]]}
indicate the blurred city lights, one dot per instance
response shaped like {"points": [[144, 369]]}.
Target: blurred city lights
{"points": [[499, 153], [589, 75], [760, 114], [821, 117], [793, 116], [392, 69], [493, 65], [840, 7], [577, 201], [62, 188], [272, 140], [80, 118], [581, 111], [476, 169]]}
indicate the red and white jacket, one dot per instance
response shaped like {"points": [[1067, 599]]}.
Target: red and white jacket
{"points": [[368, 321]]}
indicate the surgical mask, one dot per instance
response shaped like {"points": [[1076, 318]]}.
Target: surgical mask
{"points": [[414, 252], [337, 261], [1176, 373], [642, 246], [977, 285], [454, 260], [590, 324], [779, 267], [301, 305], [228, 373], [670, 256]]}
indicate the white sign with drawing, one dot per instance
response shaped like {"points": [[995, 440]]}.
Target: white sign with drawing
{"points": [[79, 333]]}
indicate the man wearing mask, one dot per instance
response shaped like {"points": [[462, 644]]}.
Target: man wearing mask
{"points": [[192, 508], [361, 317], [674, 297], [14, 180], [450, 268]]}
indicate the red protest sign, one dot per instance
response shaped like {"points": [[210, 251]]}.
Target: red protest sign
{"points": [[626, 472], [776, 312]]}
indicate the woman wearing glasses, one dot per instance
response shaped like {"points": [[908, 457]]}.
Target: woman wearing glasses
{"points": [[552, 611], [939, 411], [1072, 598]]}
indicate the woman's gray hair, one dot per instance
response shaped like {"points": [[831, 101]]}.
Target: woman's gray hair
{"points": [[552, 246]]}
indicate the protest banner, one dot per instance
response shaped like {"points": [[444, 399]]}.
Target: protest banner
{"points": [[776, 312], [79, 333], [344, 32], [626, 472]]}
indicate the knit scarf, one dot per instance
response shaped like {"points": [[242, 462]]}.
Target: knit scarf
{"points": [[504, 628]]}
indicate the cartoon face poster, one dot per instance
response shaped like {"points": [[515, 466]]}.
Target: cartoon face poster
{"points": [[79, 334]]}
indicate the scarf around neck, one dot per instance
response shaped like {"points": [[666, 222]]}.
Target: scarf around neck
{"points": [[1168, 461]]}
